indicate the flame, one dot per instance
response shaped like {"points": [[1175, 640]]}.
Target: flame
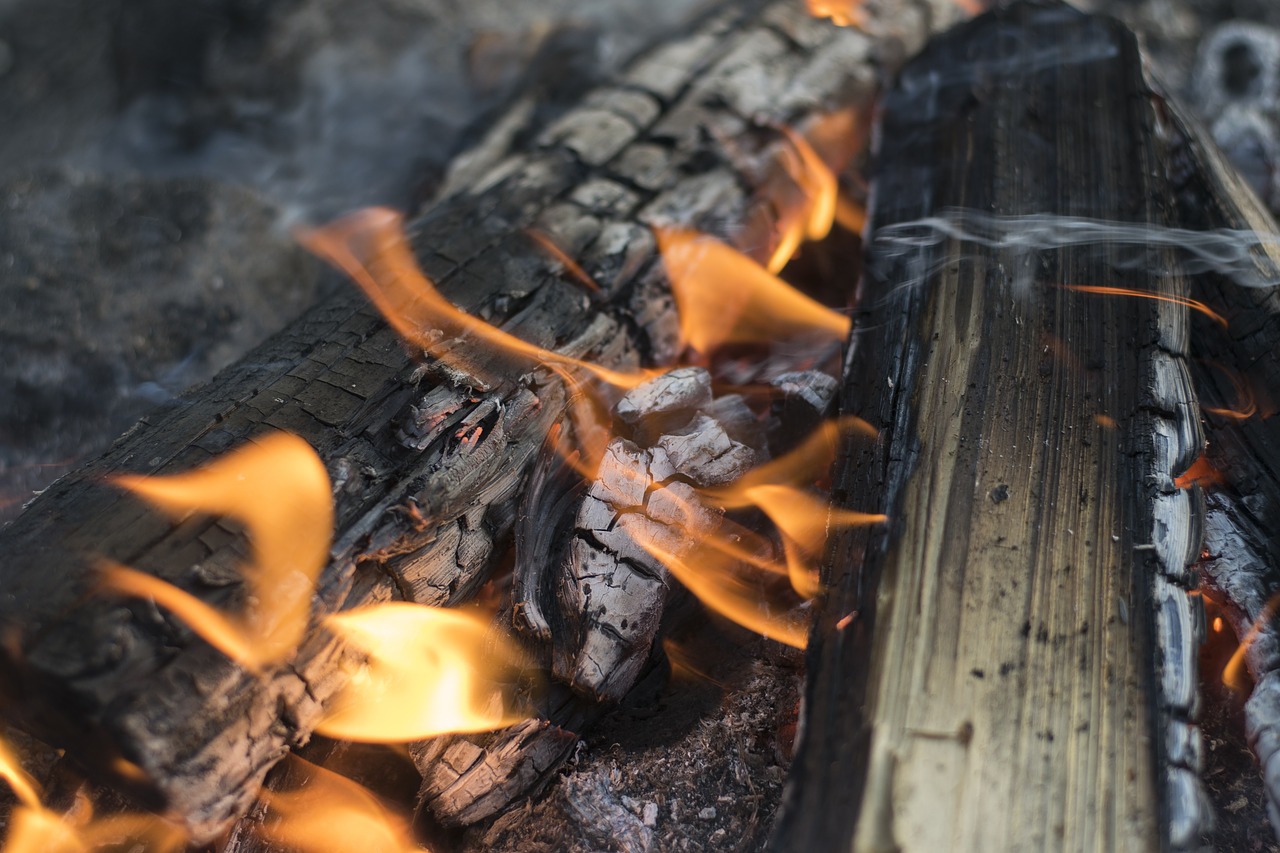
{"points": [[802, 518], [279, 489], [371, 247], [1106, 421], [1248, 405], [332, 814], [813, 218], [1200, 473], [562, 257], [36, 829], [425, 675], [1234, 674], [843, 13], [1193, 304], [850, 215], [724, 297], [714, 574]]}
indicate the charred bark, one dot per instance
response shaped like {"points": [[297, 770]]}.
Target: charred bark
{"points": [[422, 504], [1012, 663]]}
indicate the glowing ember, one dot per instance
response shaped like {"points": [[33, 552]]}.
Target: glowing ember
{"points": [[371, 247], [1193, 304], [279, 489], [428, 672], [332, 814], [724, 297]]}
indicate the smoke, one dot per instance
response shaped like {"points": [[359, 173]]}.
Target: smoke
{"points": [[1244, 257]]}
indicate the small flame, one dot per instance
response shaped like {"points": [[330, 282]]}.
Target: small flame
{"points": [[426, 673], [371, 247], [724, 297], [24, 787], [843, 13], [715, 575], [813, 218], [803, 519], [1193, 304], [35, 829], [850, 215], [1248, 405], [1234, 674], [279, 489], [562, 257], [1201, 473], [332, 814]]}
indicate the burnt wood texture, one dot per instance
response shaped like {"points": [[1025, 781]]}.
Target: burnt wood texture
{"points": [[423, 507], [1011, 662]]}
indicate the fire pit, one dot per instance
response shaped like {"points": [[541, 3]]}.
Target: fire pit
{"points": [[565, 456]]}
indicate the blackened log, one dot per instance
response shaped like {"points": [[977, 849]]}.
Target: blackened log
{"points": [[1236, 371], [421, 512], [1011, 662]]}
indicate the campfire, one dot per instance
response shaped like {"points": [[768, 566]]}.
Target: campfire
{"points": [[749, 370]]}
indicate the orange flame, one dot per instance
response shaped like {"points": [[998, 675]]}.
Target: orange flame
{"points": [[1234, 674], [843, 13], [715, 575], [802, 518], [425, 674], [1193, 304], [850, 215], [562, 257], [35, 829], [279, 489], [724, 297], [371, 247], [1201, 473], [1248, 406], [813, 219], [332, 814]]}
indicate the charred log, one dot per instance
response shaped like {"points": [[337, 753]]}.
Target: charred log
{"points": [[425, 464], [1013, 662]]}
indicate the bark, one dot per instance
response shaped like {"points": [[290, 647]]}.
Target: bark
{"points": [[1011, 664], [422, 507]]}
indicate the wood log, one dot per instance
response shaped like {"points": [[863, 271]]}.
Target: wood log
{"points": [[1234, 371], [421, 514], [1012, 663]]}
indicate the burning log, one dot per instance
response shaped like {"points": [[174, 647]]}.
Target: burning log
{"points": [[426, 460], [1012, 663]]}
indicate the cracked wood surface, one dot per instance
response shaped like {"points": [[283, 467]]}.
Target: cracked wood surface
{"points": [[422, 507], [1011, 663]]}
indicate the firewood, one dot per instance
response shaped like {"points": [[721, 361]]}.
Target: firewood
{"points": [[426, 463], [1011, 664], [1234, 371]]}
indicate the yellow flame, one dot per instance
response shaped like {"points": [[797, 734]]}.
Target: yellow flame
{"points": [[332, 814], [851, 215], [35, 829], [279, 489], [24, 787], [724, 297], [1193, 304], [426, 674], [371, 247]]}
